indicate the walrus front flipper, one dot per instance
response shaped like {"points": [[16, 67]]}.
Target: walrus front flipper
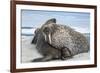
{"points": [[43, 59], [65, 54]]}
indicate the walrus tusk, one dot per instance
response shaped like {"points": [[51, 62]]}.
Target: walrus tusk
{"points": [[45, 37], [49, 38]]}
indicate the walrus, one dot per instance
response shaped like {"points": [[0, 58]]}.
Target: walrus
{"points": [[65, 38]]}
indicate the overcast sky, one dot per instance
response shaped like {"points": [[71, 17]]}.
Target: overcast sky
{"points": [[80, 21]]}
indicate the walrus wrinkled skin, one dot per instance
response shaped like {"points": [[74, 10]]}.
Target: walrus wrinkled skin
{"points": [[64, 37], [45, 49]]}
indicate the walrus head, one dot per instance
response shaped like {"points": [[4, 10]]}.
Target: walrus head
{"points": [[48, 29]]}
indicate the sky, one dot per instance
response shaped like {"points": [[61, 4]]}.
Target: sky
{"points": [[80, 21]]}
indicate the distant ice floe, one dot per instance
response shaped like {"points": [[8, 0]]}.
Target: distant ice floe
{"points": [[28, 32]]}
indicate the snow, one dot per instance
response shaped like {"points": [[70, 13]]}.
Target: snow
{"points": [[29, 51]]}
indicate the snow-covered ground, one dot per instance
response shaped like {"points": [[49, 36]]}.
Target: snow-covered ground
{"points": [[29, 51]]}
